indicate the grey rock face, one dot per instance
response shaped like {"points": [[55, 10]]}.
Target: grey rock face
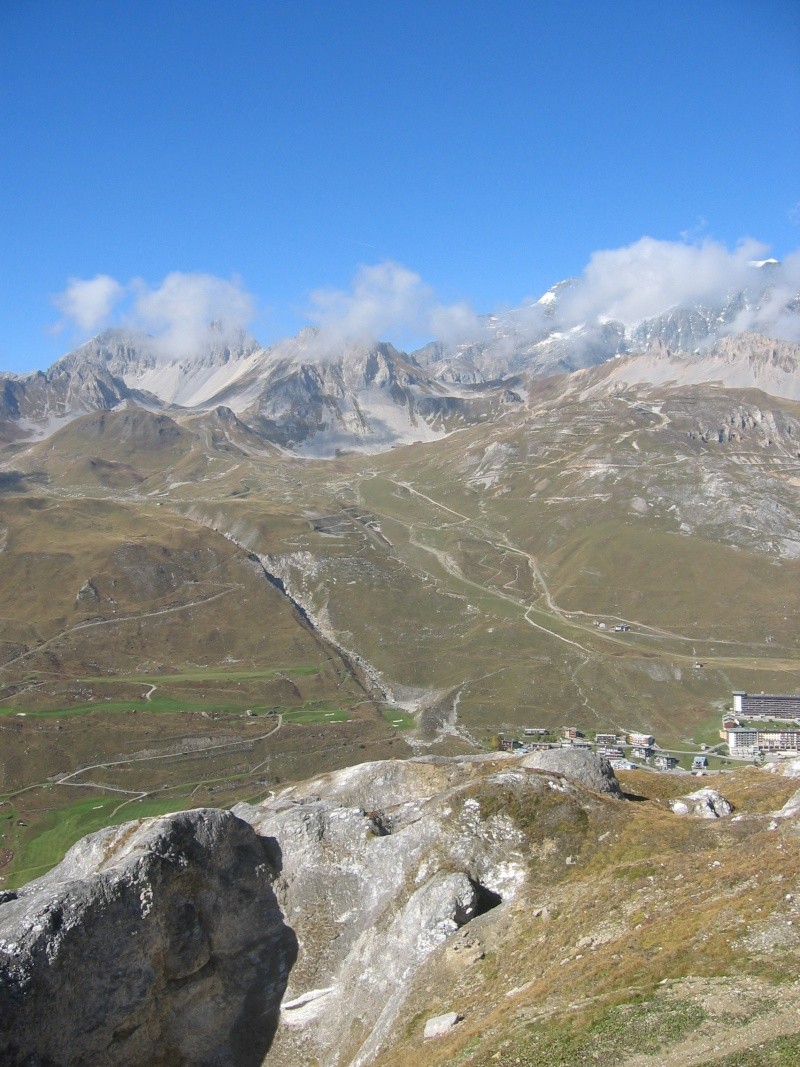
{"points": [[586, 768], [60, 393], [153, 942], [382, 864]]}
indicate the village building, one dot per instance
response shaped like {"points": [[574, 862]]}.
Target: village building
{"points": [[666, 763], [510, 744], [575, 742], [762, 723], [748, 740], [645, 740], [778, 706]]}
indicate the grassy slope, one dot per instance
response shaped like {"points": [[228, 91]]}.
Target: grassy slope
{"points": [[180, 635], [662, 938]]}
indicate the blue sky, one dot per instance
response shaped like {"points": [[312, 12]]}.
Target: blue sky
{"points": [[490, 150]]}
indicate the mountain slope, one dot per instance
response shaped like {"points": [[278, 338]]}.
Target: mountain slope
{"points": [[747, 361], [365, 397]]}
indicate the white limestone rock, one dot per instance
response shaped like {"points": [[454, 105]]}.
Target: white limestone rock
{"points": [[187, 939], [577, 765], [702, 804], [440, 1025]]}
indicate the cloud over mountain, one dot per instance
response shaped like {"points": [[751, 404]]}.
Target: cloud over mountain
{"points": [[648, 277], [386, 299], [628, 285], [178, 312], [775, 315]]}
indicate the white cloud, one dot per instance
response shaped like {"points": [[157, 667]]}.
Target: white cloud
{"points": [[628, 284], [89, 302], [772, 316], [385, 300], [455, 323], [383, 297], [180, 311], [648, 277]]}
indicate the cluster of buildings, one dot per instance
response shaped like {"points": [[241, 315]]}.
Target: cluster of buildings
{"points": [[611, 746], [762, 724], [759, 725]]}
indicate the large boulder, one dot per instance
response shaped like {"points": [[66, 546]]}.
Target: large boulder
{"points": [[164, 942], [383, 863], [576, 765], [158, 942]]}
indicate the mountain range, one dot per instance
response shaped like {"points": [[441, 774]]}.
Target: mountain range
{"points": [[301, 396]]}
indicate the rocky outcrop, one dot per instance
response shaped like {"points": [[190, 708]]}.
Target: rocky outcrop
{"points": [[789, 767], [440, 1025], [186, 939], [158, 942], [791, 809], [382, 864]]}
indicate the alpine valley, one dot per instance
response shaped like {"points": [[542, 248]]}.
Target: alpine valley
{"points": [[227, 573]]}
